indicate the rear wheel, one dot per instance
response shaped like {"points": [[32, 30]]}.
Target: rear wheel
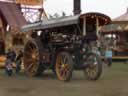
{"points": [[64, 66], [94, 68], [32, 62]]}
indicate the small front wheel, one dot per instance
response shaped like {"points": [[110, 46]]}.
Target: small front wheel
{"points": [[64, 66], [94, 68]]}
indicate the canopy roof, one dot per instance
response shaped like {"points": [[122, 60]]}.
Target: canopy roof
{"points": [[12, 14], [102, 18], [114, 28], [52, 23], [119, 24], [67, 21], [122, 18]]}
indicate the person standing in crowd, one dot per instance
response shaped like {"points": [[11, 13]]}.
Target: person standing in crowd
{"points": [[108, 56], [8, 67], [9, 63], [96, 51], [13, 55], [18, 61]]}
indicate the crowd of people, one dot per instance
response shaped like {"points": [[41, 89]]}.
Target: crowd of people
{"points": [[13, 58]]}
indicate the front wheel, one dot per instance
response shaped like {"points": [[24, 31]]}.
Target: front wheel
{"points": [[64, 66], [94, 68]]}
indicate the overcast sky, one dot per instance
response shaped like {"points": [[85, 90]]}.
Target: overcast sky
{"points": [[113, 8]]}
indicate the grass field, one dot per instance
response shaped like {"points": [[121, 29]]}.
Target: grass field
{"points": [[113, 82]]}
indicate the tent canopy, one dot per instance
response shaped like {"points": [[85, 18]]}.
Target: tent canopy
{"points": [[12, 14]]}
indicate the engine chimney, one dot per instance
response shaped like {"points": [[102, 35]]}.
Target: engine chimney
{"points": [[77, 7]]}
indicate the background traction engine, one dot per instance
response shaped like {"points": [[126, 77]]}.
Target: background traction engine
{"points": [[64, 45]]}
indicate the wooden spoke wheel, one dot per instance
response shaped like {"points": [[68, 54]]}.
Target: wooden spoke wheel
{"points": [[94, 68], [31, 58], [64, 66]]}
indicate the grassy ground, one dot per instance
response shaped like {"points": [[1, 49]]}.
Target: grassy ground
{"points": [[113, 82]]}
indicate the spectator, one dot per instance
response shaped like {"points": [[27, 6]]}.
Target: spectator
{"points": [[96, 51], [11, 54], [9, 64], [108, 56]]}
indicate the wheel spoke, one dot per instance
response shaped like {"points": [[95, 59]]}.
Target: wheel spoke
{"points": [[34, 69], [92, 73], [30, 47], [62, 72], [66, 73], [30, 61], [29, 66], [27, 55], [67, 67]]}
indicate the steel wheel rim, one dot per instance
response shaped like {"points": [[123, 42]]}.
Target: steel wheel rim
{"points": [[31, 59], [92, 69], [62, 67]]}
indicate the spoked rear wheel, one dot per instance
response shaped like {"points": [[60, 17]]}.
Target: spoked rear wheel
{"points": [[64, 66], [94, 68], [31, 58]]}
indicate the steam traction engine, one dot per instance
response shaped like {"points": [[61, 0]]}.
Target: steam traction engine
{"points": [[64, 45]]}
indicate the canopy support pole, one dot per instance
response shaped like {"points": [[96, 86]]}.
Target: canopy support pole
{"points": [[84, 26], [97, 26]]}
